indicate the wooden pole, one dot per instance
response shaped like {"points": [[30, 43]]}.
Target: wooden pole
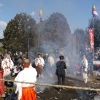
{"points": [[56, 86]]}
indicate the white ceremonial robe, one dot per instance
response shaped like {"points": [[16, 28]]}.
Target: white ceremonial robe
{"points": [[26, 75], [39, 61], [85, 69], [51, 60], [7, 65]]}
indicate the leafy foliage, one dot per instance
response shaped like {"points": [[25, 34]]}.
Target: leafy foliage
{"points": [[18, 31], [2, 49], [82, 39], [54, 31]]}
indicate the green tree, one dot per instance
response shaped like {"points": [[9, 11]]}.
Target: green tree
{"points": [[18, 31], [55, 30], [82, 38], [2, 49]]}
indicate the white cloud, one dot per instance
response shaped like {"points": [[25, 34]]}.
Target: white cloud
{"points": [[1, 4], [32, 13], [3, 24]]}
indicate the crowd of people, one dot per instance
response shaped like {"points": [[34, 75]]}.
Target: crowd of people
{"points": [[27, 68]]}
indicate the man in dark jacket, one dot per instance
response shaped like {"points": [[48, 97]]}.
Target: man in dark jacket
{"points": [[60, 71]]}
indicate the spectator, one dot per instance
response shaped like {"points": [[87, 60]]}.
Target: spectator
{"points": [[60, 71]]}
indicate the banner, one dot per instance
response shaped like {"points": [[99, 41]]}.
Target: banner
{"points": [[91, 37]]}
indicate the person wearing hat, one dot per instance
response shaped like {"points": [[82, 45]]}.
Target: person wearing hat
{"points": [[28, 74]]}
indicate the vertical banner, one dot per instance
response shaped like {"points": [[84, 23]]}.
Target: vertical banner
{"points": [[91, 37]]}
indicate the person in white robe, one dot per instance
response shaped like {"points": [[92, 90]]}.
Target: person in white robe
{"points": [[51, 60], [39, 62], [84, 65], [7, 64], [28, 74]]}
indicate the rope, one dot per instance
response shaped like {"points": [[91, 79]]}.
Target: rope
{"points": [[56, 86]]}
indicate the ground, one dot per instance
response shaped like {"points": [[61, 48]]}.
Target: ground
{"points": [[70, 94], [55, 94], [51, 93]]}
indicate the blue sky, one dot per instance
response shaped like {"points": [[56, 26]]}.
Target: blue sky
{"points": [[77, 12]]}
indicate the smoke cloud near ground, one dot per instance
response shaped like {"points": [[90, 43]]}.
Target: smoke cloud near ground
{"points": [[51, 52]]}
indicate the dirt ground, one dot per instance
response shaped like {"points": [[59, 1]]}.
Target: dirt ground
{"points": [[51, 93], [56, 94]]}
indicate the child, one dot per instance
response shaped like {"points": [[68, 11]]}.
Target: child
{"points": [[2, 89]]}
